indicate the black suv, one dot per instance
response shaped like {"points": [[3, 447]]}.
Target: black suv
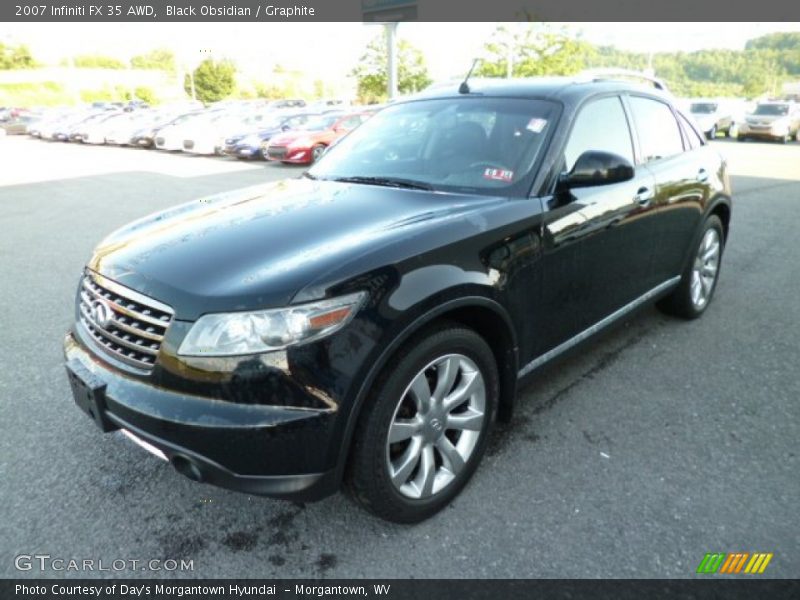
{"points": [[366, 322]]}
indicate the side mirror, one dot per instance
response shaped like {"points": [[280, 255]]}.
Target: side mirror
{"points": [[595, 167], [285, 128]]}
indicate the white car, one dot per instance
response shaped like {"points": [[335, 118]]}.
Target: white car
{"points": [[95, 131], [777, 120], [171, 137], [208, 137], [121, 131], [721, 115]]}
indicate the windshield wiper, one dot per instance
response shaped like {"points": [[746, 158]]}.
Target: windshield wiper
{"points": [[387, 182]]}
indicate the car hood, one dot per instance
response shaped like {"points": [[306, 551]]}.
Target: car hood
{"points": [[261, 133], [284, 139], [257, 247]]}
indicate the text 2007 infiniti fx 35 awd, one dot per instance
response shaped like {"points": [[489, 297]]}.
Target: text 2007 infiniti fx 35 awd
{"points": [[365, 323]]}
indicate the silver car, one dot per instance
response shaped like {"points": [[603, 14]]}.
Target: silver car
{"points": [[778, 120]]}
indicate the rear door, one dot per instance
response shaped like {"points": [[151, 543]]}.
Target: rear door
{"points": [[683, 167]]}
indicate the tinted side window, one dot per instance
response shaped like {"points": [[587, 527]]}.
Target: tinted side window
{"points": [[695, 141], [601, 125], [659, 135]]}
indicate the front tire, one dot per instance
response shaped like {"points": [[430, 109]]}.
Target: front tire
{"points": [[424, 429], [699, 280], [317, 152]]}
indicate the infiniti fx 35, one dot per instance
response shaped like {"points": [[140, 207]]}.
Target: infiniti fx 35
{"points": [[364, 324]]}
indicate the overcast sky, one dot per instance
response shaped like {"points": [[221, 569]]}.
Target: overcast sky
{"points": [[330, 50]]}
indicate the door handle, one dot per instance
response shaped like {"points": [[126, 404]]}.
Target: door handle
{"points": [[702, 176], [643, 196]]}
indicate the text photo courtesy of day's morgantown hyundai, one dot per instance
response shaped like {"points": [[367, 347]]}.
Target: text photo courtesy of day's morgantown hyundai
{"points": [[391, 297]]}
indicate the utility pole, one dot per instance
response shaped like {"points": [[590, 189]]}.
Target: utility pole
{"points": [[391, 52], [510, 56]]}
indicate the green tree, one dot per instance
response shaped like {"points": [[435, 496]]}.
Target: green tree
{"points": [[97, 61], [775, 41], [373, 78], [16, 57], [161, 59], [145, 94], [535, 50], [213, 80]]}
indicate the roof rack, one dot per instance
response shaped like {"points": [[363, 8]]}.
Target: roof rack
{"points": [[606, 74]]}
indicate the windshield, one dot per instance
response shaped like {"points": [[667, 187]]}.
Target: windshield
{"points": [[703, 108], [473, 145], [320, 123], [779, 110]]}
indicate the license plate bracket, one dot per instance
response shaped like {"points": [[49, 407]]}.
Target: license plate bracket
{"points": [[89, 393]]}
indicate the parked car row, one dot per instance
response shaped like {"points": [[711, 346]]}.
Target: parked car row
{"points": [[281, 130], [777, 120]]}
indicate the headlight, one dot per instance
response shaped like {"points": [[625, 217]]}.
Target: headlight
{"points": [[226, 334]]}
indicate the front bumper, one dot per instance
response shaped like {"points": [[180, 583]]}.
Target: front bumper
{"points": [[763, 131], [244, 151], [202, 147], [295, 155], [256, 449]]}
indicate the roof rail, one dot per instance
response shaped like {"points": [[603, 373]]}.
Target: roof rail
{"points": [[605, 74]]}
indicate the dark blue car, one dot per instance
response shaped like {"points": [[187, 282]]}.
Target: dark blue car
{"points": [[247, 144]]}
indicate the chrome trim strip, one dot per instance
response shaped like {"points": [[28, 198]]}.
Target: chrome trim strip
{"points": [[124, 309], [147, 446], [129, 293], [116, 339], [142, 333], [116, 358], [561, 348]]}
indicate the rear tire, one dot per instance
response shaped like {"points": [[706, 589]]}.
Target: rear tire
{"points": [[436, 400], [699, 280]]}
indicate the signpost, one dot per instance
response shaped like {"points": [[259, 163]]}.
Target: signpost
{"points": [[389, 10]]}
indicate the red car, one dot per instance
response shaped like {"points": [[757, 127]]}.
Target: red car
{"points": [[306, 145]]}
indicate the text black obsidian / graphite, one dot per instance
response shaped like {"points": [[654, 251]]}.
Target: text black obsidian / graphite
{"points": [[209, 10]]}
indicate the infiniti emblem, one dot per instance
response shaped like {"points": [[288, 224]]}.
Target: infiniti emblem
{"points": [[101, 313], [436, 425]]}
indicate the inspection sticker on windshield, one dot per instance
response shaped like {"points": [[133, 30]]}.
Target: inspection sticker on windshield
{"points": [[499, 175], [536, 125]]}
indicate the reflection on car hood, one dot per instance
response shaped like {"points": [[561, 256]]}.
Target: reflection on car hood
{"points": [[257, 247]]}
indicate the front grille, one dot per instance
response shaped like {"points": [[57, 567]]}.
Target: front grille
{"points": [[134, 326], [277, 152]]}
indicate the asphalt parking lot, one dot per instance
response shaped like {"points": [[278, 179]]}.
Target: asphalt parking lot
{"points": [[660, 442]]}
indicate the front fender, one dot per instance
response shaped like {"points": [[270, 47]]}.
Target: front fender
{"points": [[424, 312]]}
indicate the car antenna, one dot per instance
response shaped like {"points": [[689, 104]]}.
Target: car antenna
{"points": [[464, 87]]}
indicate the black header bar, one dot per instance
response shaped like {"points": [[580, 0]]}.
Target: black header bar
{"points": [[395, 10], [441, 589]]}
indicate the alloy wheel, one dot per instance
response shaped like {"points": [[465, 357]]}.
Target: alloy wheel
{"points": [[706, 267], [436, 426]]}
